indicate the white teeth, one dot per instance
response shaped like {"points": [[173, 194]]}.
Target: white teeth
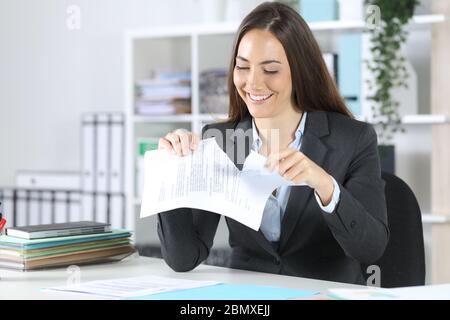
{"points": [[259, 98]]}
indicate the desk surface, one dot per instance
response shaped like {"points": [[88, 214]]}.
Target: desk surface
{"points": [[26, 285]]}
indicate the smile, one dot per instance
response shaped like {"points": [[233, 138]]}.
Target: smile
{"points": [[255, 98]]}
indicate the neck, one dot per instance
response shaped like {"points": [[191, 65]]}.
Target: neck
{"points": [[282, 127]]}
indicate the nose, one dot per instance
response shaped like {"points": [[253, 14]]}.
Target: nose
{"points": [[254, 80]]}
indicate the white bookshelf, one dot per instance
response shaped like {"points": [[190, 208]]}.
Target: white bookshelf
{"points": [[425, 119], [196, 48], [428, 218], [231, 27], [416, 119]]}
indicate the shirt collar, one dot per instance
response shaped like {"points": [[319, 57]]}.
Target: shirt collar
{"points": [[257, 142]]}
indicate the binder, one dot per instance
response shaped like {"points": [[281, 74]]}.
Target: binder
{"points": [[319, 10], [102, 144], [102, 165], [56, 180], [349, 70], [88, 161], [117, 154], [116, 171]]}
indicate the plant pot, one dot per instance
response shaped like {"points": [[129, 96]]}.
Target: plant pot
{"points": [[387, 158]]}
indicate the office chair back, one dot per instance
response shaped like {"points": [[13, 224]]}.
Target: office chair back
{"points": [[403, 262]]}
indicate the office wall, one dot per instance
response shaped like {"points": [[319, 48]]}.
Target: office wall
{"points": [[50, 75]]}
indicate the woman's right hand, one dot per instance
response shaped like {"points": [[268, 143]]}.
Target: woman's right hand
{"points": [[180, 141]]}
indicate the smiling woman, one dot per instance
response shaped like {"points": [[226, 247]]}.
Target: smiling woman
{"points": [[333, 218], [263, 77], [295, 62]]}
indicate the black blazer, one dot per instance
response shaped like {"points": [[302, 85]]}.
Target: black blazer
{"points": [[313, 243]]}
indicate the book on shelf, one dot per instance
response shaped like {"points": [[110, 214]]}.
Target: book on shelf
{"points": [[179, 75], [58, 230], [165, 94], [163, 107]]}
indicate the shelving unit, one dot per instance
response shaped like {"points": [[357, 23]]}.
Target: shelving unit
{"points": [[417, 119], [189, 48]]}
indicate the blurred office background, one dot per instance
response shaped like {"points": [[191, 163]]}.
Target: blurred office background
{"points": [[86, 87]]}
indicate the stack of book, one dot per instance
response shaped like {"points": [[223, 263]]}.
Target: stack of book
{"points": [[63, 244], [165, 94]]}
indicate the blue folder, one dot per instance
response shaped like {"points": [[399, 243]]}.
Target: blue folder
{"points": [[230, 292]]}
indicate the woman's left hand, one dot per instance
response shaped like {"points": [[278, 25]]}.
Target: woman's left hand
{"points": [[294, 166]]}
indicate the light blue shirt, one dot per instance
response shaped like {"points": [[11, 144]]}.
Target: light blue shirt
{"points": [[276, 205]]}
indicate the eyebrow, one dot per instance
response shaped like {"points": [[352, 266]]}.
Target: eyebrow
{"points": [[264, 62]]}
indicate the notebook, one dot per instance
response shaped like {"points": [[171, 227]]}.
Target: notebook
{"points": [[58, 230], [26, 244]]}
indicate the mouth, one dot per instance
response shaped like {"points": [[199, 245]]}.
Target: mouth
{"points": [[259, 98]]}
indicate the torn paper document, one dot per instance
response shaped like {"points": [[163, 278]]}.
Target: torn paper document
{"points": [[207, 179]]}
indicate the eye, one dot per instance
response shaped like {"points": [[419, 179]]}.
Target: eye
{"points": [[270, 72], [241, 68]]}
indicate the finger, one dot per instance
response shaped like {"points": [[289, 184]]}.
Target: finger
{"points": [[300, 178], [294, 171], [194, 141], [288, 162], [175, 142], [185, 143], [164, 144], [273, 159]]}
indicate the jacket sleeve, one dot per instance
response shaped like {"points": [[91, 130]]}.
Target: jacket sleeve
{"points": [[359, 221], [186, 236]]}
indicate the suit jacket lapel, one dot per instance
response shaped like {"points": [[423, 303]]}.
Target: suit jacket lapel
{"points": [[239, 141], [316, 150]]}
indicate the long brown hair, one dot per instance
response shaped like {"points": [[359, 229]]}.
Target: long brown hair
{"points": [[313, 89]]}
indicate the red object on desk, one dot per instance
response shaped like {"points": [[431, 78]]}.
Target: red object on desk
{"points": [[2, 224]]}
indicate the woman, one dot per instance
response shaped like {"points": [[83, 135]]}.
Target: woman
{"points": [[279, 83]]}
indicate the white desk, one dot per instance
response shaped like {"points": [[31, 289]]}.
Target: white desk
{"points": [[26, 285]]}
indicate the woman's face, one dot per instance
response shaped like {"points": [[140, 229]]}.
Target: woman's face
{"points": [[262, 75]]}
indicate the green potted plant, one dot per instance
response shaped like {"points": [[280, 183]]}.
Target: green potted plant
{"points": [[387, 66]]}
